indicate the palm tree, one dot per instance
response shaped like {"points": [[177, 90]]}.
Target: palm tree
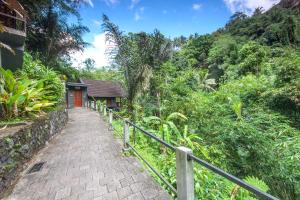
{"points": [[204, 83], [160, 52], [130, 53], [138, 55]]}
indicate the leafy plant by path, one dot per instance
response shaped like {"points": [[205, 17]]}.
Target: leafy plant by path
{"points": [[21, 96]]}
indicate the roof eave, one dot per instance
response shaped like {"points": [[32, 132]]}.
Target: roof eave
{"points": [[76, 84], [118, 96]]}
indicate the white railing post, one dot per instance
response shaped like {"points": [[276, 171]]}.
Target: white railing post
{"points": [[126, 135], [110, 120], [101, 108], [104, 110], [184, 174]]}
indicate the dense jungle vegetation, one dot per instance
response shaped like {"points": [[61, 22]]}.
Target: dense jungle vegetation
{"points": [[232, 96]]}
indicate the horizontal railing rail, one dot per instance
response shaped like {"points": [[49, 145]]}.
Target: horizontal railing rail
{"points": [[152, 136], [11, 21], [12, 17], [184, 164]]}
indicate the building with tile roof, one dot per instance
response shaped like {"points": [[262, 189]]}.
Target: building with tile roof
{"points": [[87, 92]]}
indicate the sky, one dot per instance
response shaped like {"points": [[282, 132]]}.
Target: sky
{"points": [[172, 17]]}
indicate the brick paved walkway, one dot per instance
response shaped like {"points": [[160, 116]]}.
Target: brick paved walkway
{"points": [[85, 162]]}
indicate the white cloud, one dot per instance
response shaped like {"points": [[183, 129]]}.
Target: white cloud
{"points": [[137, 16], [197, 6], [248, 6], [97, 52], [138, 13], [90, 2], [111, 2], [133, 4], [97, 23]]}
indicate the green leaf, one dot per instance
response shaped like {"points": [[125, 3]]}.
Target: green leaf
{"points": [[257, 183], [176, 115]]}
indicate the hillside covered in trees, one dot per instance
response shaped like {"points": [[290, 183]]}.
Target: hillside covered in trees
{"points": [[233, 96]]}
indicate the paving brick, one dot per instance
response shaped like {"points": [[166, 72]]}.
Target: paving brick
{"points": [[101, 190], [136, 196], [78, 189], [113, 186], [92, 185], [63, 193], [111, 196], [124, 192], [139, 177], [126, 181], [149, 193], [137, 187], [88, 195], [162, 195]]}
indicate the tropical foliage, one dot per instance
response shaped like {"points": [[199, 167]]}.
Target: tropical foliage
{"points": [[29, 91]]}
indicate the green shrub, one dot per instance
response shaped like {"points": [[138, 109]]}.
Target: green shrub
{"points": [[22, 96], [30, 91], [35, 70]]}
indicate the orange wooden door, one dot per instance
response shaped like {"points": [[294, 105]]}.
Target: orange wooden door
{"points": [[77, 98]]}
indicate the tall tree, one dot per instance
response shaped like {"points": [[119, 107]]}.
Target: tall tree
{"points": [[49, 33], [89, 64], [160, 51], [129, 54]]}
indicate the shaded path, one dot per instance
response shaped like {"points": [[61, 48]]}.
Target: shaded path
{"points": [[85, 162]]}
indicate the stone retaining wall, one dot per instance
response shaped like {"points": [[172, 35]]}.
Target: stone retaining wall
{"points": [[19, 146]]}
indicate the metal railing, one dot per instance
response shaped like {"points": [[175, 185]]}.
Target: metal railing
{"points": [[184, 163], [14, 22]]}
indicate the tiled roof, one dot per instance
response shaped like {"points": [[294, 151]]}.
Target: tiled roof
{"points": [[97, 88]]}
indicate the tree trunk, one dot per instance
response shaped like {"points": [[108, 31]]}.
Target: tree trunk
{"points": [[15, 110], [2, 112], [131, 110], [50, 28], [158, 104]]}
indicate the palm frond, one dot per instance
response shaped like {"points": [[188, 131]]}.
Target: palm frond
{"points": [[177, 115]]}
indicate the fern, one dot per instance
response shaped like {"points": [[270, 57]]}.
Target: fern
{"points": [[257, 183], [238, 193]]}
